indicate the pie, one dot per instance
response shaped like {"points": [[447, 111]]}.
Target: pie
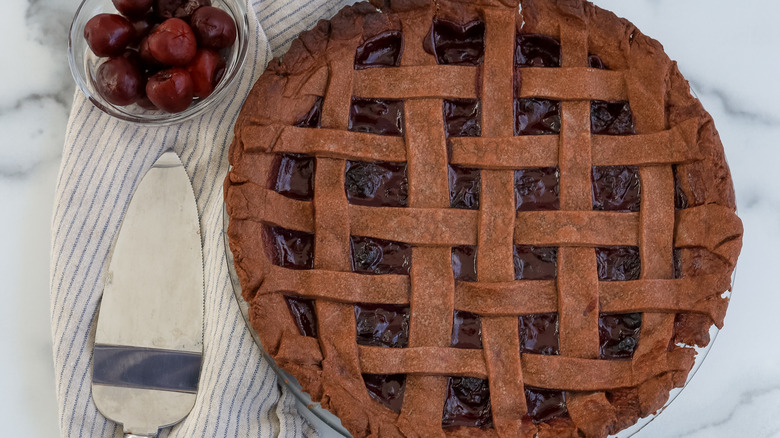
{"points": [[479, 218]]}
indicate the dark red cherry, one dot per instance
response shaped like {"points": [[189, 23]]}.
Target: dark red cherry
{"points": [[183, 9], [189, 7], [206, 69], [148, 61], [145, 103], [214, 27], [142, 27], [132, 8], [173, 42], [134, 58], [108, 34], [165, 9], [119, 81], [170, 90]]}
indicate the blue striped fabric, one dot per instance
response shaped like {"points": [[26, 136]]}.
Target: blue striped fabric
{"points": [[103, 161]]}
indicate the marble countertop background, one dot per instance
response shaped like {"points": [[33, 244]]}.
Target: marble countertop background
{"points": [[728, 50]]}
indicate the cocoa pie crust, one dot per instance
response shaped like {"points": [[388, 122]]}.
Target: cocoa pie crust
{"points": [[450, 218]]}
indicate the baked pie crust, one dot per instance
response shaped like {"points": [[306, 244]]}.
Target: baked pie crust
{"points": [[454, 218]]}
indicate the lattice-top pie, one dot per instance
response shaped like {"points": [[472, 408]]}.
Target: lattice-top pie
{"points": [[454, 218]]}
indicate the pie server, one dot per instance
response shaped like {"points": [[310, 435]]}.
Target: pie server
{"points": [[149, 337]]}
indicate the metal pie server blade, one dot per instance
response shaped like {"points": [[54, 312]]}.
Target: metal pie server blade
{"points": [[149, 337]]}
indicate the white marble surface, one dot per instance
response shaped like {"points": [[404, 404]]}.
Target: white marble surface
{"points": [[727, 49]]}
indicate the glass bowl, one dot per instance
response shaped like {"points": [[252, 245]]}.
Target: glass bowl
{"points": [[84, 65]]}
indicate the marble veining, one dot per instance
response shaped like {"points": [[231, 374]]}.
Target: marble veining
{"points": [[727, 51], [733, 106]]}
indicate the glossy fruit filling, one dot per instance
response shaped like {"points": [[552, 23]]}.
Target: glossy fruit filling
{"points": [[382, 325], [535, 116], [387, 389], [537, 51], [312, 119], [535, 262], [383, 50], [677, 262], [537, 189], [295, 176], [616, 188], [680, 198], [457, 44], [462, 118], [467, 403], [377, 256], [539, 334], [619, 335], [379, 184], [618, 263], [377, 116], [545, 404], [595, 61], [304, 315], [611, 118], [464, 263], [466, 330], [290, 248], [465, 186]]}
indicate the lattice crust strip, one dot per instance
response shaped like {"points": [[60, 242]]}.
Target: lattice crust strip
{"points": [[687, 251]]}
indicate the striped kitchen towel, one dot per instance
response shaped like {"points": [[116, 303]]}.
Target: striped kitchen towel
{"points": [[103, 162]]}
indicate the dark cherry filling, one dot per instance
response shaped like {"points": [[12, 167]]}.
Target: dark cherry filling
{"points": [[467, 403], [619, 335], [457, 44], [302, 311], [537, 51], [290, 248], [382, 325], [677, 263], [464, 263], [376, 184], [545, 404], [535, 262], [387, 389], [537, 116], [537, 189], [383, 50], [616, 188], [539, 334], [618, 263], [465, 186], [595, 61], [462, 118], [377, 116], [377, 256], [611, 118], [295, 177], [680, 198], [312, 118], [466, 330]]}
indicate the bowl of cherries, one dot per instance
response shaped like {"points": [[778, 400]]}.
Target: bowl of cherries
{"points": [[157, 62]]}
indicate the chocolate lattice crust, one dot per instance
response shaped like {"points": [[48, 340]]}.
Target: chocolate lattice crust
{"points": [[451, 218]]}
